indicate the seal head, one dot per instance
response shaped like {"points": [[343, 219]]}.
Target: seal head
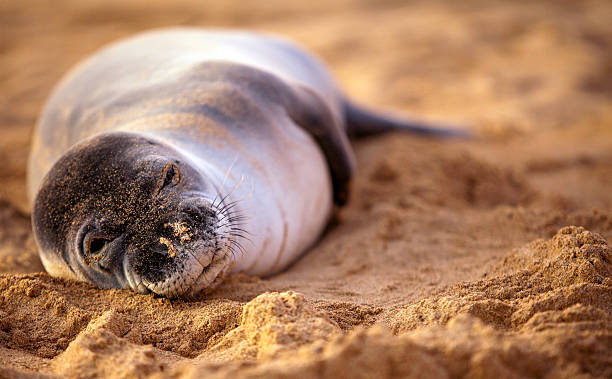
{"points": [[134, 213]]}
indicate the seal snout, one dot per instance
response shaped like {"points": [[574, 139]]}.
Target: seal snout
{"points": [[186, 254]]}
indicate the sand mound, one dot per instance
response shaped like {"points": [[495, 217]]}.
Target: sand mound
{"points": [[551, 316], [574, 267], [559, 298], [465, 347], [99, 351], [273, 323]]}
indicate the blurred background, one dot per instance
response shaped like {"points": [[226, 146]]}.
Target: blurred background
{"points": [[504, 68]]}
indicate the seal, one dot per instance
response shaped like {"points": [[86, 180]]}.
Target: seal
{"points": [[166, 160]]}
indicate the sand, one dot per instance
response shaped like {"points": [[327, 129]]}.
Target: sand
{"points": [[479, 258]]}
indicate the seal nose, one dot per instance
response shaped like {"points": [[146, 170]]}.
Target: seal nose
{"points": [[198, 211], [194, 214]]}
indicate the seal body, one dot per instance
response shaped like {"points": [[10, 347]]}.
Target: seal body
{"points": [[168, 159]]}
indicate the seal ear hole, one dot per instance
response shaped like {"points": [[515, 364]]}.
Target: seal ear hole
{"points": [[170, 175]]}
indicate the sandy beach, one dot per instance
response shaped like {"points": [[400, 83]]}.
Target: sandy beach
{"points": [[480, 258]]}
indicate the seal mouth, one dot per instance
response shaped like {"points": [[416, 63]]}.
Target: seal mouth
{"points": [[199, 252]]}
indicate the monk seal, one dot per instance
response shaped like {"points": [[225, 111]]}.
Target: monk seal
{"points": [[170, 158]]}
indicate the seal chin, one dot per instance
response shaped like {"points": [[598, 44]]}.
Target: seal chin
{"points": [[196, 276], [211, 276]]}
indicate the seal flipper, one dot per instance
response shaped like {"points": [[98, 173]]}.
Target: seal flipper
{"points": [[362, 123], [309, 111]]}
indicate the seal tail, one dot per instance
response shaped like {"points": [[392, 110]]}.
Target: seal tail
{"points": [[363, 123]]}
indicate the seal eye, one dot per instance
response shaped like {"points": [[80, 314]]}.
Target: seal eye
{"points": [[94, 249], [170, 176], [96, 246]]}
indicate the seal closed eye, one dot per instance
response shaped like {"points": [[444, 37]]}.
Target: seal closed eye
{"points": [[169, 159]]}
